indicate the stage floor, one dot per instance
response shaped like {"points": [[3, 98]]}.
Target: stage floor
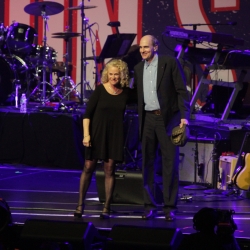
{"points": [[52, 194]]}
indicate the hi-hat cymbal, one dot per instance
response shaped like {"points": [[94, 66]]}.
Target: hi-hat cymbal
{"points": [[65, 35], [47, 7], [80, 6]]}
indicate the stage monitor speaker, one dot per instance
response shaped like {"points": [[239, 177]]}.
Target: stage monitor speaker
{"points": [[37, 234], [128, 187], [137, 237]]}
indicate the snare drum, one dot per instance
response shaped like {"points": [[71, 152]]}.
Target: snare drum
{"points": [[20, 37], [37, 55]]}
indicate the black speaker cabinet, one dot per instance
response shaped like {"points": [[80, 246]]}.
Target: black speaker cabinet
{"points": [[137, 237], [40, 233], [128, 187]]}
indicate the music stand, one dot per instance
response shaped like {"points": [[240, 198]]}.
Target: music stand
{"points": [[116, 45]]}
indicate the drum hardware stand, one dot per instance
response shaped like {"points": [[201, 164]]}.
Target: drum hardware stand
{"points": [[44, 60], [66, 79], [18, 86], [16, 81], [41, 9], [69, 84], [43, 98], [29, 80]]}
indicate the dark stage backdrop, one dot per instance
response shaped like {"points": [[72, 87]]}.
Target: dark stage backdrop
{"points": [[136, 16], [226, 17], [41, 139], [159, 14]]}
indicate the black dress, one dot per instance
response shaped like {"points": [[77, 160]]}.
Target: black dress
{"points": [[106, 113]]}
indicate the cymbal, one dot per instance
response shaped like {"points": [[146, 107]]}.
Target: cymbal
{"points": [[80, 6], [50, 8], [65, 35]]}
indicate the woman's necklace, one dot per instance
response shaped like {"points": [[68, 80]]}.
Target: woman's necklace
{"points": [[115, 92]]}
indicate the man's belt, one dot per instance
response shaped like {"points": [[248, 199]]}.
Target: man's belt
{"points": [[155, 112]]}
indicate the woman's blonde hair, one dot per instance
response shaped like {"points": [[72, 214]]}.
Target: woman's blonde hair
{"points": [[123, 69]]}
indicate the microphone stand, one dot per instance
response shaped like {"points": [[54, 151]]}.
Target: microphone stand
{"points": [[83, 55], [210, 24], [195, 186], [97, 75], [215, 171], [43, 98]]}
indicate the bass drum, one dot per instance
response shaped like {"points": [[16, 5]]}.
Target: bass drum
{"points": [[11, 68], [20, 37]]}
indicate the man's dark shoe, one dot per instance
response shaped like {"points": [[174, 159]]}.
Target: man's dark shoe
{"points": [[149, 214], [170, 216]]}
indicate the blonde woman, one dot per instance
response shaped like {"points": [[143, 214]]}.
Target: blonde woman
{"points": [[103, 130]]}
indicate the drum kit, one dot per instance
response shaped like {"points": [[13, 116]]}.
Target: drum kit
{"points": [[25, 65]]}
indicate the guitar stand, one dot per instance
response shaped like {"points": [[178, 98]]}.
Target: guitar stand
{"points": [[215, 171], [230, 192], [234, 189]]}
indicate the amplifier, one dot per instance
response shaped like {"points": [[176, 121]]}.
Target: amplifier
{"points": [[205, 159]]}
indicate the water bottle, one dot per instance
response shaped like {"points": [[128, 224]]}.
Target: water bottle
{"points": [[23, 104]]}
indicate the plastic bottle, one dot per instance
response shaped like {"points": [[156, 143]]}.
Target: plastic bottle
{"points": [[23, 104]]}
